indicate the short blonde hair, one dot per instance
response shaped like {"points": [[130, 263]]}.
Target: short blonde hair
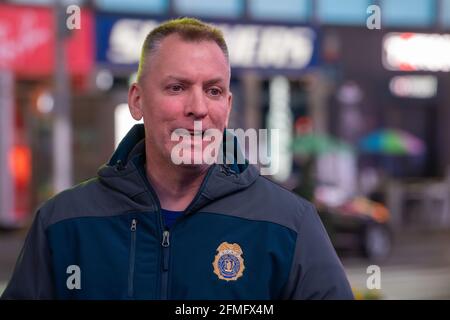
{"points": [[189, 29]]}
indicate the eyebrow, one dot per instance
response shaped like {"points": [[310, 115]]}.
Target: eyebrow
{"points": [[188, 81], [214, 81]]}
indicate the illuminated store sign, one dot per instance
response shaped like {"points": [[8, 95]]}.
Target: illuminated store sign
{"points": [[250, 46], [27, 42], [416, 52], [421, 87]]}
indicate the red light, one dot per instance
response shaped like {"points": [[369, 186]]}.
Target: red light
{"points": [[407, 35], [406, 67], [20, 165]]}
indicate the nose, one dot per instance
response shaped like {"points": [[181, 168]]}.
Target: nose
{"points": [[196, 105]]}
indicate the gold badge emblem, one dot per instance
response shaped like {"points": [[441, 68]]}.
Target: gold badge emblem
{"points": [[228, 263]]}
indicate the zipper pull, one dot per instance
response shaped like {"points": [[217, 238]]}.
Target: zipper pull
{"points": [[225, 170], [165, 242], [133, 225]]}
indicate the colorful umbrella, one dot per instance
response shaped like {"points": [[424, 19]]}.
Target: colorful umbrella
{"points": [[392, 142]]}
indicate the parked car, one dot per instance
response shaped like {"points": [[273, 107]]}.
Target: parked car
{"points": [[360, 224]]}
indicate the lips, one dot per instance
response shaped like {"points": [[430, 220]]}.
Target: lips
{"points": [[195, 133]]}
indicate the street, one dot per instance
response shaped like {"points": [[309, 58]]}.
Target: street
{"points": [[418, 268]]}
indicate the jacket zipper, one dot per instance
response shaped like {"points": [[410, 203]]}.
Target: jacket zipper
{"points": [[155, 198], [165, 246], [132, 258], [165, 243], [165, 264]]}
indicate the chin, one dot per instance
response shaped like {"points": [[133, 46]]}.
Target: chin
{"points": [[194, 167]]}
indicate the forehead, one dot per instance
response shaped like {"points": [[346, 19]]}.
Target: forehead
{"points": [[190, 58]]}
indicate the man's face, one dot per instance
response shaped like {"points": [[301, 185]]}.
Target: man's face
{"points": [[183, 82]]}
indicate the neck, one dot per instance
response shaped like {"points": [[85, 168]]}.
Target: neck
{"points": [[175, 185]]}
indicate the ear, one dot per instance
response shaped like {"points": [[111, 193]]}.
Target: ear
{"points": [[135, 101], [229, 106]]}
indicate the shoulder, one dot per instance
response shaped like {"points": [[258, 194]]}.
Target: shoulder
{"points": [[281, 194], [265, 201], [87, 198], [288, 206]]}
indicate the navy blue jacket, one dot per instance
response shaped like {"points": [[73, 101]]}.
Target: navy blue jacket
{"points": [[242, 237]]}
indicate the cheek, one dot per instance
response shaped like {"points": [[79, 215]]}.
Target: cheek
{"points": [[219, 115], [163, 110]]}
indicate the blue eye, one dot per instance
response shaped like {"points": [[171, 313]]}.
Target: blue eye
{"points": [[214, 92], [175, 88]]}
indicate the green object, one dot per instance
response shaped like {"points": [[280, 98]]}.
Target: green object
{"points": [[317, 144]]}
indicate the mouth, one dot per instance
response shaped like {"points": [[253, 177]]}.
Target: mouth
{"points": [[194, 133]]}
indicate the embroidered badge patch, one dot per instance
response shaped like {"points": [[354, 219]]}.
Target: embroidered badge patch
{"points": [[228, 263]]}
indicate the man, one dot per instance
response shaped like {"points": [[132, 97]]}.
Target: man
{"points": [[147, 228]]}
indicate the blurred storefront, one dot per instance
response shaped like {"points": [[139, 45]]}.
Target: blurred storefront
{"points": [[394, 79], [27, 65], [372, 93], [297, 65], [272, 60], [333, 64]]}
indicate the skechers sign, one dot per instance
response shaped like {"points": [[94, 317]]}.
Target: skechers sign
{"points": [[250, 46]]}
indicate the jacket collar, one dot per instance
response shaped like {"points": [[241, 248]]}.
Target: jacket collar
{"points": [[124, 173]]}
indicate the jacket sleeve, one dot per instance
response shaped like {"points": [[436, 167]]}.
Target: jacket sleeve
{"points": [[32, 276], [316, 271]]}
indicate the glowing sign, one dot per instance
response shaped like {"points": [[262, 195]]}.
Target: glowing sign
{"points": [[269, 46], [250, 46], [416, 51], [27, 41], [413, 86]]}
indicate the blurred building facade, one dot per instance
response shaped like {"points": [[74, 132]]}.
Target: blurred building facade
{"points": [[294, 62]]}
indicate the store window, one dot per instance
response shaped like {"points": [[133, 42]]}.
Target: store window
{"points": [[348, 12], [445, 13], [285, 10], [414, 13], [134, 6], [207, 8]]}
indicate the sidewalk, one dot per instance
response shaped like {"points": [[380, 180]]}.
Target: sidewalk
{"points": [[419, 267]]}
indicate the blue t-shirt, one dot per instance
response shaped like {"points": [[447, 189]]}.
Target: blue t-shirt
{"points": [[170, 217]]}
